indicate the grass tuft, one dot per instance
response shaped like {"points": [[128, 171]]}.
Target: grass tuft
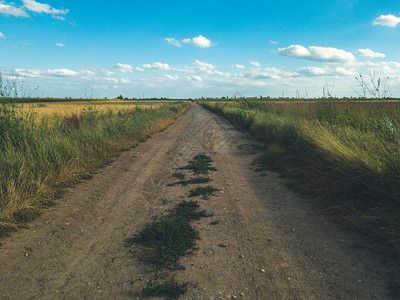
{"points": [[205, 192], [196, 180], [201, 164], [169, 238], [170, 289]]}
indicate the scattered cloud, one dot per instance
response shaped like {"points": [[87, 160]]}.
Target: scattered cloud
{"points": [[46, 73], [123, 80], [317, 53], [61, 45], [88, 73], [37, 7], [204, 67], [326, 71], [106, 72], [237, 66], [370, 54], [197, 78], [124, 68], [73, 24], [173, 41], [2, 36], [156, 66], [171, 77], [386, 20], [11, 10], [139, 69], [255, 63], [273, 42], [199, 41]]}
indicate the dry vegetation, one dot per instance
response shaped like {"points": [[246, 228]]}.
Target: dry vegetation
{"points": [[43, 152], [344, 153]]}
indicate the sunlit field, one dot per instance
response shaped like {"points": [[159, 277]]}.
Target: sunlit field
{"points": [[344, 153], [46, 147]]}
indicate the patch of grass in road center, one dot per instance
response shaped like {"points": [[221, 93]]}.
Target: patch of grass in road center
{"points": [[169, 288], [201, 164], [179, 175], [195, 180], [169, 238], [205, 192]]}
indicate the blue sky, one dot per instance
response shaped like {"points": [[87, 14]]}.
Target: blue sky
{"points": [[199, 48]]}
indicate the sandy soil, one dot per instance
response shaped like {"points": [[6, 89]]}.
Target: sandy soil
{"points": [[277, 245]]}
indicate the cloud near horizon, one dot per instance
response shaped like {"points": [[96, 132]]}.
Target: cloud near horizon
{"points": [[123, 68], [314, 53], [370, 54]]}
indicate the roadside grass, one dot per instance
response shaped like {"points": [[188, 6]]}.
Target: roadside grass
{"points": [[205, 192], [201, 164], [39, 159], [346, 155]]}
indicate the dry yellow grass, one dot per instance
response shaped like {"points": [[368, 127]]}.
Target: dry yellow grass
{"points": [[69, 108]]}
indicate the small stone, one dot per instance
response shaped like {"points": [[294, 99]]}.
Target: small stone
{"points": [[241, 256], [262, 271], [234, 297], [26, 254], [241, 294]]}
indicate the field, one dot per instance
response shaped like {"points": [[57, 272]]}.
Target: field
{"points": [[203, 209], [344, 153], [46, 147]]}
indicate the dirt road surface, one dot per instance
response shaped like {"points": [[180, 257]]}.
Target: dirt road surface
{"points": [[276, 245]]}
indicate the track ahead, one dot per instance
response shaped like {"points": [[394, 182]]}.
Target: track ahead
{"points": [[276, 245]]}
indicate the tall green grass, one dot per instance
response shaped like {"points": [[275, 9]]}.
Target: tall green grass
{"points": [[347, 154], [39, 158]]}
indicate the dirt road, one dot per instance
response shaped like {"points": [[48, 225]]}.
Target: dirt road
{"points": [[276, 245]]}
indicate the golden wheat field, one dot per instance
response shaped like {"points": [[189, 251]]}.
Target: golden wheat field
{"points": [[44, 109]]}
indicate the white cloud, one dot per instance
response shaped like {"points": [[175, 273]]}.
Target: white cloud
{"points": [[88, 73], [139, 69], [326, 71], [255, 63], [106, 72], [199, 41], [6, 9], [273, 42], [173, 41], [111, 79], [46, 73], [312, 71], [123, 80], [124, 68], [386, 20], [171, 77], [267, 73], [237, 66], [197, 78], [2, 36], [317, 53], [157, 66], [370, 54], [37, 7], [61, 45], [203, 66]]}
